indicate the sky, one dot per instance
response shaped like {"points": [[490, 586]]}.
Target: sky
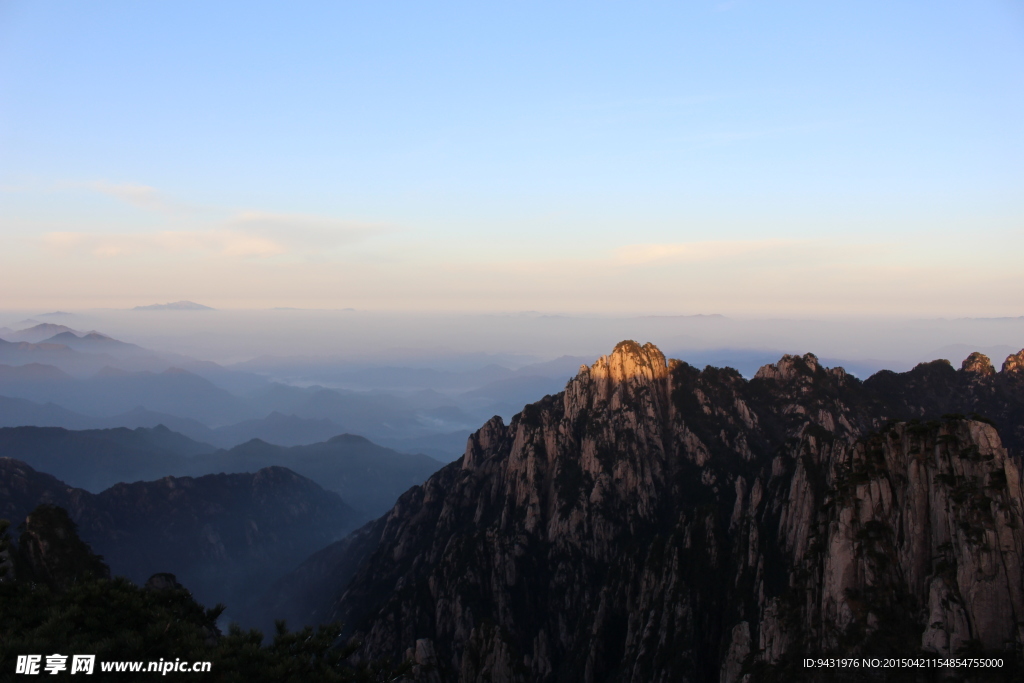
{"points": [[741, 158]]}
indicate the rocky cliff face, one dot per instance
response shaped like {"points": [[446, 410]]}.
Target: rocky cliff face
{"points": [[655, 522], [50, 552]]}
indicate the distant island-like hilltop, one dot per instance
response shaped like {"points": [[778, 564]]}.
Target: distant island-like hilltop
{"points": [[176, 306]]}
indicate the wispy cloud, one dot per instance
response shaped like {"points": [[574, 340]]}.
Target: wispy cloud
{"points": [[197, 230], [216, 242], [304, 231], [293, 231], [639, 254], [140, 196], [249, 234]]}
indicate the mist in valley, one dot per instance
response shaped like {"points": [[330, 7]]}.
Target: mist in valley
{"points": [[414, 381]]}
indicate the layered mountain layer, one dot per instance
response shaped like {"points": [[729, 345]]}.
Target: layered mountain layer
{"points": [[368, 476], [656, 522], [225, 536]]}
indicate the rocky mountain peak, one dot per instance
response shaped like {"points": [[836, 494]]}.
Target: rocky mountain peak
{"points": [[629, 360], [630, 385], [483, 441], [658, 522], [790, 367], [1014, 362], [978, 363]]}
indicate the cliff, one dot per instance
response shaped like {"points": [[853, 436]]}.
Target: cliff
{"points": [[654, 522]]}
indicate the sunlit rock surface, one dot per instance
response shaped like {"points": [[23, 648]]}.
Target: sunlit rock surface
{"points": [[656, 522]]}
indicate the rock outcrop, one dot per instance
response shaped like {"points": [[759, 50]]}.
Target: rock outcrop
{"points": [[978, 362], [1014, 362], [655, 522], [51, 553]]}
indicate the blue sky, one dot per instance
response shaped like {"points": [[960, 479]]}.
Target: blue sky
{"points": [[735, 157]]}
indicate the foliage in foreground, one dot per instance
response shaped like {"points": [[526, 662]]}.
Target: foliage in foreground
{"points": [[118, 621]]}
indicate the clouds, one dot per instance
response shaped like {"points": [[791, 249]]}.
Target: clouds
{"points": [[255, 257], [641, 254], [304, 231], [247, 234], [140, 196], [242, 267], [210, 242]]}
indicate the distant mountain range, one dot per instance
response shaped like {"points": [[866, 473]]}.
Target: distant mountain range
{"points": [[80, 354], [225, 536], [111, 391], [96, 459], [38, 332], [276, 428], [411, 379], [176, 306], [188, 401], [367, 476], [89, 380], [93, 341]]}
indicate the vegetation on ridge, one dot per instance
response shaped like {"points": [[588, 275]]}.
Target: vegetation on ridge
{"points": [[47, 608]]}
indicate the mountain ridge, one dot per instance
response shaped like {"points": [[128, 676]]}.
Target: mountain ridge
{"points": [[174, 306], [367, 476], [224, 535], [656, 522]]}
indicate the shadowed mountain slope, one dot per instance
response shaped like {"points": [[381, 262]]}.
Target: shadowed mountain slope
{"points": [[656, 522], [96, 459], [225, 536], [369, 477]]}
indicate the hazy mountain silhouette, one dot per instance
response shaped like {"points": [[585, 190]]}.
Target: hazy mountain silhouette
{"points": [[365, 413], [444, 447], [369, 477], [81, 356], [19, 412], [112, 391], [32, 373], [38, 332], [507, 397], [277, 428], [25, 353], [175, 306], [225, 536], [96, 459], [94, 341]]}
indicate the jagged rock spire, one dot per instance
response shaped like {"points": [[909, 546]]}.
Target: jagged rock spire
{"points": [[630, 360], [979, 363], [1014, 362], [789, 367]]}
